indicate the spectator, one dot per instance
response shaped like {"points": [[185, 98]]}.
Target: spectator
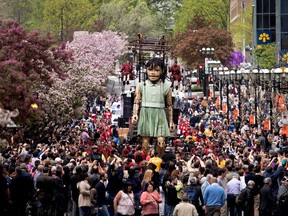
{"points": [[84, 201], [214, 198], [233, 189], [246, 199], [195, 195], [185, 208], [266, 200], [282, 197], [124, 203], [150, 200], [171, 195], [21, 190], [101, 195]]}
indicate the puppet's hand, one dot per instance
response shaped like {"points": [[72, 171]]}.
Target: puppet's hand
{"points": [[172, 126], [134, 119]]}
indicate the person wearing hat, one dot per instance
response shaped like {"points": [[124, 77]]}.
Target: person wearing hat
{"points": [[195, 194], [185, 208], [266, 200]]}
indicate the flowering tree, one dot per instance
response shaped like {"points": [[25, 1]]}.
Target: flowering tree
{"points": [[94, 57], [27, 62], [236, 58], [187, 45]]}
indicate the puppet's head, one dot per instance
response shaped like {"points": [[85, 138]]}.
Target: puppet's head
{"points": [[155, 70]]}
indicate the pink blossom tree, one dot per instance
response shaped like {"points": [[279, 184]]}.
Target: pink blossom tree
{"points": [[94, 58]]}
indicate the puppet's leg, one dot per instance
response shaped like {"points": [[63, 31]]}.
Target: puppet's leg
{"points": [[146, 145], [160, 147]]}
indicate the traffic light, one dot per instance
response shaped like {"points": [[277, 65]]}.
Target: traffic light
{"points": [[200, 72]]}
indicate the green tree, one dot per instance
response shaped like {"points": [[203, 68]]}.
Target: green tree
{"points": [[131, 17], [266, 55], [242, 29], [36, 19], [17, 10], [168, 9], [69, 15], [216, 12]]}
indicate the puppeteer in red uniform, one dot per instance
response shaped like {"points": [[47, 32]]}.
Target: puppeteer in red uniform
{"points": [[175, 74], [126, 72]]}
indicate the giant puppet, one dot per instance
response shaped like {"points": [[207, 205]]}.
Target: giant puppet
{"points": [[153, 95]]}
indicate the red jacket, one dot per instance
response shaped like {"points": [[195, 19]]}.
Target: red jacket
{"points": [[126, 69]]}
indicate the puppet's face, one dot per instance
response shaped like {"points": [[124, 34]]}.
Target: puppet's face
{"points": [[154, 73]]}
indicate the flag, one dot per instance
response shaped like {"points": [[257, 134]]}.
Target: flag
{"points": [[236, 112], [264, 37], [252, 120], [267, 125], [285, 130], [224, 108]]}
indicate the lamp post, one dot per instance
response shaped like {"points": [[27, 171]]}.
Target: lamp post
{"points": [[221, 75], [206, 52], [227, 80]]}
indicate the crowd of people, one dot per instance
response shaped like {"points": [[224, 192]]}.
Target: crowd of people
{"points": [[211, 167]]}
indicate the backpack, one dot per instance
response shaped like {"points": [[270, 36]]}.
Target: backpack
{"points": [[193, 195]]}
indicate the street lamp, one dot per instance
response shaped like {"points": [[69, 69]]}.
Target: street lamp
{"points": [[221, 75], [207, 52]]}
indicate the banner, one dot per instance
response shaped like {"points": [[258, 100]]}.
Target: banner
{"points": [[264, 36], [218, 101], [267, 125], [285, 130], [224, 107], [252, 120], [236, 112], [280, 102], [211, 94]]}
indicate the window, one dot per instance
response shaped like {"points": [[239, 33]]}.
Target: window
{"points": [[284, 6], [272, 6], [272, 21], [284, 26], [266, 6], [266, 21], [259, 22], [284, 41], [259, 6]]}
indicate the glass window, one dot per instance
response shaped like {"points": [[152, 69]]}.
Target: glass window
{"points": [[284, 6], [284, 41], [266, 21], [284, 26], [266, 5], [259, 22], [272, 21], [273, 33], [272, 6], [259, 6]]}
